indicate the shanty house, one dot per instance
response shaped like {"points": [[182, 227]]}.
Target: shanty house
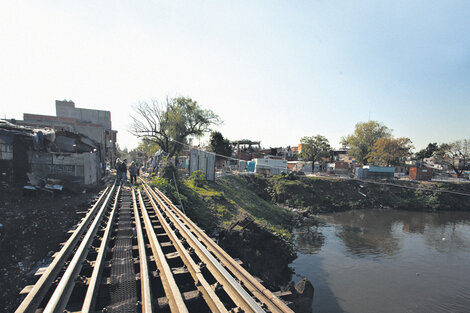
{"points": [[36, 155], [420, 173], [375, 172], [270, 166]]}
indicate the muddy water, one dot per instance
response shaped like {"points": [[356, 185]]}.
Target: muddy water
{"points": [[387, 261]]}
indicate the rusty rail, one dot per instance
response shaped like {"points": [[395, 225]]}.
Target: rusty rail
{"points": [[201, 277], [90, 297], [63, 290], [146, 293], [172, 291], [264, 295], [39, 290], [230, 285], [194, 269]]}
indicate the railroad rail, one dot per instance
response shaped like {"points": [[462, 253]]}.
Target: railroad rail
{"points": [[135, 251]]}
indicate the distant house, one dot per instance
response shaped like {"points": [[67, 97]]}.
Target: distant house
{"points": [[375, 172], [341, 165], [401, 171], [246, 149], [304, 166], [342, 155], [421, 173], [338, 167], [270, 166]]}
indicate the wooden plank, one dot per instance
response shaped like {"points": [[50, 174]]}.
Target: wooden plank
{"points": [[40, 271], [26, 290]]}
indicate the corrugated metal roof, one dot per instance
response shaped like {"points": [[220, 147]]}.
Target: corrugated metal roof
{"points": [[380, 169]]}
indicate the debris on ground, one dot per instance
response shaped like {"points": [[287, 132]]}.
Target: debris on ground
{"points": [[30, 227]]}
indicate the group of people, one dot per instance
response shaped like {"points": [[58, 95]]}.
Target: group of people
{"points": [[121, 168]]}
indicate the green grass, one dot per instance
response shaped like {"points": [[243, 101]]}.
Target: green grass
{"points": [[193, 205], [231, 199]]}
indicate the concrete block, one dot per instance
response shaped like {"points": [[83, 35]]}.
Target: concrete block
{"points": [[6, 152], [39, 157], [67, 159], [62, 169]]}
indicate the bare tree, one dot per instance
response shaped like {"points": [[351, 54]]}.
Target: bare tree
{"points": [[171, 122], [455, 155]]}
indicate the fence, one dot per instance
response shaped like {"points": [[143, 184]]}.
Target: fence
{"points": [[203, 161]]}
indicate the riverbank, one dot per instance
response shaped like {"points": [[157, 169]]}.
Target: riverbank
{"points": [[322, 195], [254, 216], [261, 211], [248, 227]]}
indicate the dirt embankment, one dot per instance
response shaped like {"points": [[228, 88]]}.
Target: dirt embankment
{"points": [[317, 195], [267, 250], [31, 230], [264, 254]]}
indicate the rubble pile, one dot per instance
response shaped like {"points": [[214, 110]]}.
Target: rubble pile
{"points": [[31, 230], [48, 160]]}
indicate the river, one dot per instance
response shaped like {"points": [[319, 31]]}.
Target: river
{"points": [[386, 261]]}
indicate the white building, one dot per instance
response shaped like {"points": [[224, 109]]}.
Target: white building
{"points": [[270, 166]]}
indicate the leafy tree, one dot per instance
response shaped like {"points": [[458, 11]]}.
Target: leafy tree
{"points": [[427, 152], [315, 148], [362, 141], [455, 155], [219, 145], [148, 147], [390, 151], [170, 123]]}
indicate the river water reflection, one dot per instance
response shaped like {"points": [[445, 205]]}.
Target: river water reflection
{"points": [[387, 261]]}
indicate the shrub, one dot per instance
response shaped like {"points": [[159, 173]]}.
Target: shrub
{"points": [[167, 170], [198, 178], [165, 186]]}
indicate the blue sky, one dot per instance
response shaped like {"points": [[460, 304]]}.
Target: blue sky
{"points": [[273, 70]]}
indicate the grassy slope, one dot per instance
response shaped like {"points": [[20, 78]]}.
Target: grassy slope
{"points": [[264, 254], [193, 204], [266, 251], [216, 205], [231, 199], [220, 203]]}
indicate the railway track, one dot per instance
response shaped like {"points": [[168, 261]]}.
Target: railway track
{"points": [[135, 251]]}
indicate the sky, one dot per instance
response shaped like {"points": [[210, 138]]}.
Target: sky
{"points": [[272, 70]]}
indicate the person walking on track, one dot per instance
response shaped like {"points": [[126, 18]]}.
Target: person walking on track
{"points": [[133, 173]]}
